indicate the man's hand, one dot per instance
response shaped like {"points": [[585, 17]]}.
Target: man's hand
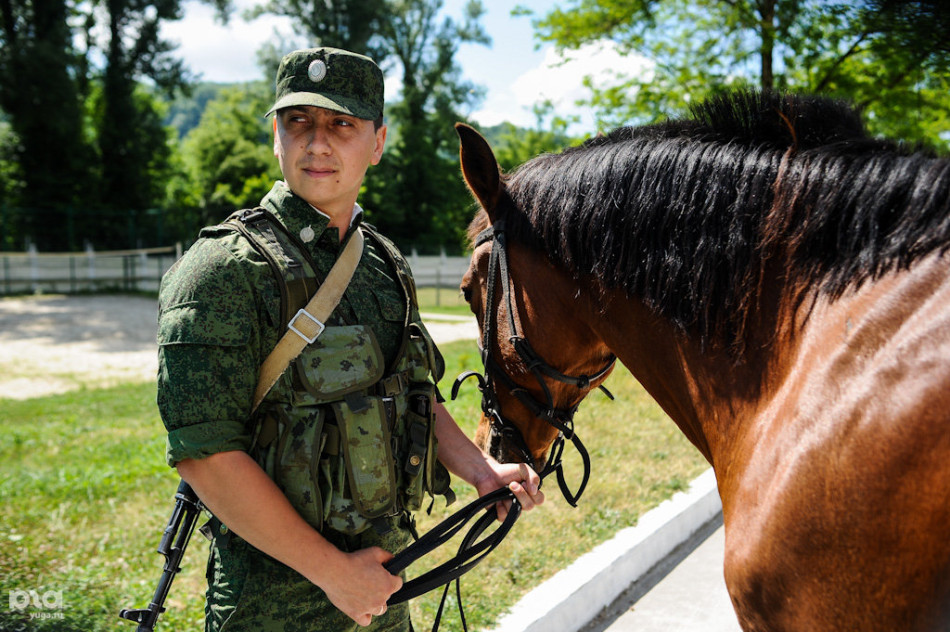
{"points": [[363, 585], [463, 458], [523, 481]]}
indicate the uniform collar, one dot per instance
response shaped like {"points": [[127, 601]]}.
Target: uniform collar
{"points": [[299, 217]]}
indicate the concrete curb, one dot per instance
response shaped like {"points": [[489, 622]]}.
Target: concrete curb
{"points": [[578, 593]]}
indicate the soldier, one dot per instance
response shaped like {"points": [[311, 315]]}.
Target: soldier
{"points": [[313, 491]]}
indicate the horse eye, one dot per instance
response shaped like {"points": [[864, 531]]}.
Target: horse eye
{"points": [[467, 294]]}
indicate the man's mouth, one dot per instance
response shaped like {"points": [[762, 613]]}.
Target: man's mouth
{"points": [[318, 172]]}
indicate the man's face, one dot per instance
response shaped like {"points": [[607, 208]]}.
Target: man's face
{"points": [[324, 155]]}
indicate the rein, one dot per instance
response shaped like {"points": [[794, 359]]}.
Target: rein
{"points": [[473, 550]]}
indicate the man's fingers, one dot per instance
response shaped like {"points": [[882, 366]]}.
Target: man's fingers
{"points": [[528, 501]]}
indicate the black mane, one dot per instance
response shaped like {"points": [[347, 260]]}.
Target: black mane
{"points": [[686, 214]]}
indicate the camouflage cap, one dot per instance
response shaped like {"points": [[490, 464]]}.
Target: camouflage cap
{"points": [[330, 78]]}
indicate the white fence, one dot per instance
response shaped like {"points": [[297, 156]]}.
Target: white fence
{"points": [[69, 272], [142, 270], [441, 271]]}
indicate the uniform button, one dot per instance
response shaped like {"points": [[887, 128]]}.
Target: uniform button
{"points": [[415, 460]]}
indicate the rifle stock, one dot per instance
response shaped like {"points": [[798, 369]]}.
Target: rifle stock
{"points": [[173, 544]]}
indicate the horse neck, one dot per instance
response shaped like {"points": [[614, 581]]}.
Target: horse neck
{"points": [[707, 393]]}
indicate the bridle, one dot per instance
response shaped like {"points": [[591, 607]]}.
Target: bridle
{"points": [[502, 428], [474, 547]]}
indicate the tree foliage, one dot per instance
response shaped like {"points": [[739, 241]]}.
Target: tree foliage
{"points": [[227, 161], [77, 83], [348, 24], [889, 56], [514, 146], [417, 195], [85, 84], [40, 94]]}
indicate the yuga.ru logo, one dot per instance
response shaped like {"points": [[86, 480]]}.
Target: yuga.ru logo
{"points": [[39, 605]]}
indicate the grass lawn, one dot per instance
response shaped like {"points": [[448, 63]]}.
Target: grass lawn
{"points": [[85, 494]]}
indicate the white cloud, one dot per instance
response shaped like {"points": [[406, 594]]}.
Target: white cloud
{"points": [[219, 52], [560, 79]]}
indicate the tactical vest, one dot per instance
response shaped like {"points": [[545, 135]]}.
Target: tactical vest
{"points": [[350, 441]]}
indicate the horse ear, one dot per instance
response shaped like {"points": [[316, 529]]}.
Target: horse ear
{"points": [[479, 168]]}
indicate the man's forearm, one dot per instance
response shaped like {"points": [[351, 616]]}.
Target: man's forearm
{"points": [[243, 497], [457, 452]]}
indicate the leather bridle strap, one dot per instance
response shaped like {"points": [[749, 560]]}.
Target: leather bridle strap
{"points": [[560, 419], [498, 267], [474, 548]]}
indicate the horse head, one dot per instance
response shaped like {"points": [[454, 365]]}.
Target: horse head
{"points": [[535, 377]]}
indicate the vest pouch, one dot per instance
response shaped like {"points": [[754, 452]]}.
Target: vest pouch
{"points": [[419, 448], [365, 445], [289, 450], [344, 359], [338, 509], [423, 474]]}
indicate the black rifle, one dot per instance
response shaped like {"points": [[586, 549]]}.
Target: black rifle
{"points": [[174, 541]]}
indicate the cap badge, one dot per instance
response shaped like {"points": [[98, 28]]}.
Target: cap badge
{"points": [[317, 70]]}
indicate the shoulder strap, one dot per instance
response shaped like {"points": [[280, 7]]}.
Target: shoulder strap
{"points": [[292, 268], [308, 323], [400, 266], [411, 301]]}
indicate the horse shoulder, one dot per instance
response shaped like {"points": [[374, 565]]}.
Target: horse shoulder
{"points": [[838, 511]]}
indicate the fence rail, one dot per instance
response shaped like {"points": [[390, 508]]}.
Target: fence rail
{"points": [[70, 272], [142, 270]]}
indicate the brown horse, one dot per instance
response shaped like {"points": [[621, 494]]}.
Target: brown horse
{"points": [[778, 282]]}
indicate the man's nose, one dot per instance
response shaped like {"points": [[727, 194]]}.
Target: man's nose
{"points": [[319, 141]]}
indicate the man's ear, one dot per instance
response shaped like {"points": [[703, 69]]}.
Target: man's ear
{"points": [[380, 145]]}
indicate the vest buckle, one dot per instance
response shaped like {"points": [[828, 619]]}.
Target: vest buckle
{"points": [[292, 326]]}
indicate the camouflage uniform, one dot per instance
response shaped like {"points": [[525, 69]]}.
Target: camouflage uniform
{"points": [[218, 320]]}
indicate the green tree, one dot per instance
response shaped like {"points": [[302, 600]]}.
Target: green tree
{"points": [[514, 145], [127, 125], [227, 161], [185, 109], [40, 95], [346, 24], [417, 194], [91, 150], [888, 56]]}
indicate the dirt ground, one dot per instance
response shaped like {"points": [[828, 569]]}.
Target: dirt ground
{"points": [[57, 343]]}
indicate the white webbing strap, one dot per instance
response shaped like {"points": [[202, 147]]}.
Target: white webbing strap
{"points": [[307, 325]]}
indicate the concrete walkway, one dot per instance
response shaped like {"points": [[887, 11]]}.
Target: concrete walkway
{"points": [[593, 592], [691, 597]]}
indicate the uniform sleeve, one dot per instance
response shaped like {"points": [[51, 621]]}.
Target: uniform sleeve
{"points": [[208, 342]]}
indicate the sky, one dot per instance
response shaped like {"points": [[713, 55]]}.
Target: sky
{"points": [[516, 70]]}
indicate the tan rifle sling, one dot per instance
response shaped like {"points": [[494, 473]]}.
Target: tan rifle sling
{"points": [[307, 325]]}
